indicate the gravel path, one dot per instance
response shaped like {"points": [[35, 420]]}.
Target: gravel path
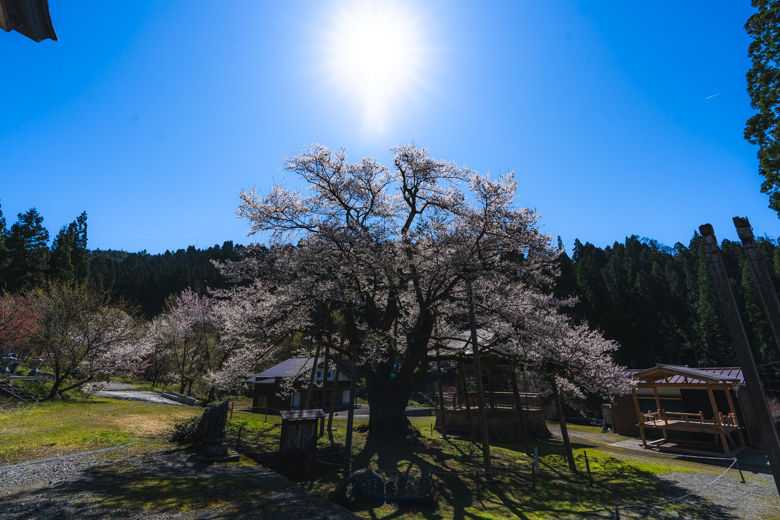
{"points": [[137, 395], [151, 482]]}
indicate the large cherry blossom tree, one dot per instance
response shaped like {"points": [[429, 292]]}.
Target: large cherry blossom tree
{"points": [[392, 249]]}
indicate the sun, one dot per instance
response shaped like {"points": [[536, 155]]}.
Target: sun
{"points": [[375, 56]]}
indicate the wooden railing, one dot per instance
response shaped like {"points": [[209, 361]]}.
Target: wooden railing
{"points": [[495, 400], [690, 419]]}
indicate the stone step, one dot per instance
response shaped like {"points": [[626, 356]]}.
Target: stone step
{"points": [[9, 390]]}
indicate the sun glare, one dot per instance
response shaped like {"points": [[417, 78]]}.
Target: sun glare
{"points": [[375, 56]]}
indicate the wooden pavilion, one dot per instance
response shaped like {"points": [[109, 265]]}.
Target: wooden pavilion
{"points": [[717, 424]]}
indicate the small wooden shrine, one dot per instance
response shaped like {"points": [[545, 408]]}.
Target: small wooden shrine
{"points": [[716, 425]]}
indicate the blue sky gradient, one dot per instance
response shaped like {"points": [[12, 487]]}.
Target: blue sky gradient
{"points": [[618, 118]]}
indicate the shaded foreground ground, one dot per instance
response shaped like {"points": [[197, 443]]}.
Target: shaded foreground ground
{"points": [[153, 481]]}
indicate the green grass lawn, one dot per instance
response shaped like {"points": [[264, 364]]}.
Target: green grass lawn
{"points": [[51, 428], [40, 430]]}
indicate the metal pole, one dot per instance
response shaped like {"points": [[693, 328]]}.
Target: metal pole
{"points": [[764, 286], [766, 427]]}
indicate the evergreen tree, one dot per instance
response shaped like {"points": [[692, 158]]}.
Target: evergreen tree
{"points": [[5, 257], [762, 129], [78, 254], [29, 252], [61, 264]]}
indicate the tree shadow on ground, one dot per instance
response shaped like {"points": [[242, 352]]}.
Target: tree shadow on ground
{"points": [[558, 493], [169, 483]]}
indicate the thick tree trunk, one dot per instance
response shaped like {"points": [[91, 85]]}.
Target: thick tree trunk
{"points": [[57, 383], [562, 422], [390, 384]]}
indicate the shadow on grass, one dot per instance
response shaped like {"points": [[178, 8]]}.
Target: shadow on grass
{"points": [[168, 483], [558, 493]]}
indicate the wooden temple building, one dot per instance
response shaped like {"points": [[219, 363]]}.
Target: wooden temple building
{"points": [[686, 409], [461, 406]]}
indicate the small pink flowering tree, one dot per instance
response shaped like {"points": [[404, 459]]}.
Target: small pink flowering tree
{"points": [[82, 333]]}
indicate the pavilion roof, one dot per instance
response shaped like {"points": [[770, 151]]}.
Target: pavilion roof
{"points": [[682, 375]]}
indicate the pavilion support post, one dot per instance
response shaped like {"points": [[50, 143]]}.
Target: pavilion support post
{"points": [[640, 418], [764, 286], [744, 354], [661, 414], [734, 414], [716, 422]]}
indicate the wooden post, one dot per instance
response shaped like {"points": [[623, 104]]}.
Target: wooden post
{"points": [[441, 396], [562, 421], [639, 417], [309, 393], [734, 412], [658, 407], [335, 389], [238, 442], [351, 412], [764, 286], [520, 414], [716, 420], [324, 393], [744, 354], [587, 467], [478, 373], [461, 369]]}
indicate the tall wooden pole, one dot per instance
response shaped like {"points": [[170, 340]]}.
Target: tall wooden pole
{"points": [[764, 417], [324, 393], [334, 390], [350, 416], [462, 373], [441, 395], [480, 387], [520, 414], [764, 285], [309, 393]]}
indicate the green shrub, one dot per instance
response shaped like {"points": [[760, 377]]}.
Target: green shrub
{"points": [[183, 432]]}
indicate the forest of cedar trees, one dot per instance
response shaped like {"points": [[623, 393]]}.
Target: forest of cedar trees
{"points": [[658, 302]]}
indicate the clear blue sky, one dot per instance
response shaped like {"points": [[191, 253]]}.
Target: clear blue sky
{"points": [[618, 118]]}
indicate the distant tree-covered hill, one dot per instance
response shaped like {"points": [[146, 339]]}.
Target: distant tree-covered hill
{"points": [[148, 280], [660, 303]]}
